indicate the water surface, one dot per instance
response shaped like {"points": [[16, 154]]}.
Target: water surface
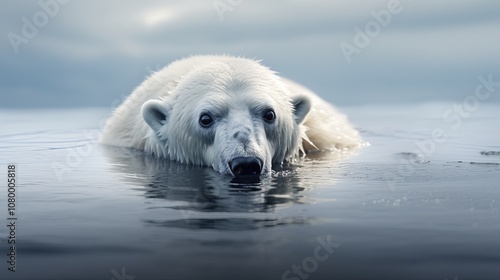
{"points": [[406, 207]]}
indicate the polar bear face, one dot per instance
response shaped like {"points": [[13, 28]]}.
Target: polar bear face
{"points": [[221, 116]]}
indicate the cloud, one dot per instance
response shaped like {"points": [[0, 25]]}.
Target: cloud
{"points": [[92, 52]]}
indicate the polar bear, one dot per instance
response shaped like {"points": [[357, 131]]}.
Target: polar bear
{"points": [[230, 113]]}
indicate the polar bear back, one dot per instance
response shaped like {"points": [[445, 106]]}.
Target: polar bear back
{"points": [[327, 128]]}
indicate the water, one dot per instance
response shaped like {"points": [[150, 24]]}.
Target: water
{"points": [[406, 207]]}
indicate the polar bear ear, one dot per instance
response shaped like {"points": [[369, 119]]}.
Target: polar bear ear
{"points": [[155, 114], [301, 107]]}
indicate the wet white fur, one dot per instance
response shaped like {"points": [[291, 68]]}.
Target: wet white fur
{"points": [[236, 92]]}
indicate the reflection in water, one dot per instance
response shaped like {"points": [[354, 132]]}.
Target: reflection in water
{"points": [[203, 190], [232, 224]]}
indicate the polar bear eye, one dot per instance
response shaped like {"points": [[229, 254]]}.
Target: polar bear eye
{"points": [[205, 120], [269, 115]]}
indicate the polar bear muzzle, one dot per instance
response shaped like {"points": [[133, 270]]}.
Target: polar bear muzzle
{"points": [[245, 166]]}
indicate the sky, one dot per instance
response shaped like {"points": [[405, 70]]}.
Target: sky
{"points": [[61, 53]]}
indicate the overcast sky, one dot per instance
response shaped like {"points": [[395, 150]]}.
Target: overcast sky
{"points": [[91, 53]]}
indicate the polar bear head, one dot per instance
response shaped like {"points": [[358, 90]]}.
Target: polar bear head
{"points": [[236, 116]]}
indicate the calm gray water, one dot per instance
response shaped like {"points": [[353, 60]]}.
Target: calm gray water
{"points": [[406, 207]]}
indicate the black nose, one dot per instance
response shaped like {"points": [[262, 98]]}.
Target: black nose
{"points": [[242, 166]]}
